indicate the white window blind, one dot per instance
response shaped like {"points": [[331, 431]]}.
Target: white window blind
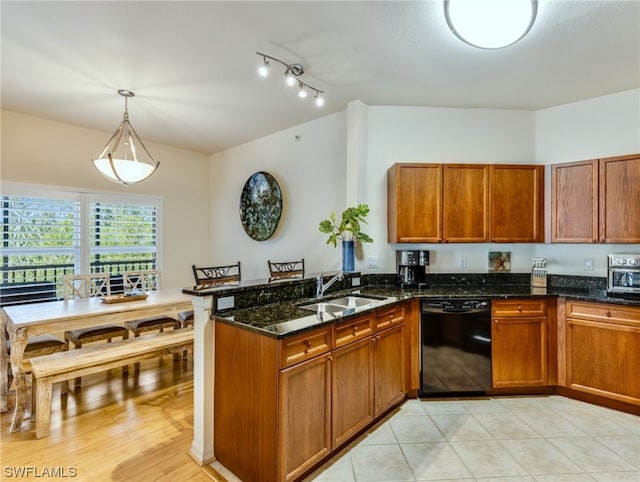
{"points": [[47, 234], [122, 236], [40, 244]]}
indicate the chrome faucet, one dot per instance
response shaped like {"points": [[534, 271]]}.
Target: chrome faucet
{"points": [[321, 286]]}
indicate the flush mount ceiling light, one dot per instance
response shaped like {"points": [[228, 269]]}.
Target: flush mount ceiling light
{"points": [[292, 72], [125, 159], [490, 24]]}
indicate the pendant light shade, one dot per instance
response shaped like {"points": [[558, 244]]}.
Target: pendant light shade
{"points": [[125, 159], [490, 24]]}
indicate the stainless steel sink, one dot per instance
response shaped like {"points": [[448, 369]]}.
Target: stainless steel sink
{"points": [[342, 305], [335, 311], [353, 301], [324, 307]]}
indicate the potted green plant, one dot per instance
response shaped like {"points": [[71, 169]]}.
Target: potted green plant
{"points": [[348, 230]]}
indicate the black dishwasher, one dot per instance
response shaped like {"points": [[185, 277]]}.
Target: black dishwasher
{"points": [[456, 347]]}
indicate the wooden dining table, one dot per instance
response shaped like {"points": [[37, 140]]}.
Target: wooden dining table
{"points": [[23, 321]]}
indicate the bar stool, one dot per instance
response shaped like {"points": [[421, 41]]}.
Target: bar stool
{"points": [[208, 277], [285, 269]]}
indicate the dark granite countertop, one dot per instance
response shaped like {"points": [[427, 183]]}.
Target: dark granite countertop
{"points": [[285, 318]]}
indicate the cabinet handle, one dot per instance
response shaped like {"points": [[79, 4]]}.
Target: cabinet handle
{"points": [[307, 343], [329, 358], [354, 328], [608, 313], [520, 308]]}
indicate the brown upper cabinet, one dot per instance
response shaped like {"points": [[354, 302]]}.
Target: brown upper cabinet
{"points": [[465, 203], [414, 203], [516, 203], [596, 201]]}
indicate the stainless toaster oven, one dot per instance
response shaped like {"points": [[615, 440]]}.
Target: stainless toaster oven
{"points": [[623, 273]]}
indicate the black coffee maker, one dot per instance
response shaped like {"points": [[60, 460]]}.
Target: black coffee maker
{"points": [[412, 268]]}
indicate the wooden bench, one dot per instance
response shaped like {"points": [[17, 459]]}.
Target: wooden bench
{"points": [[49, 369]]}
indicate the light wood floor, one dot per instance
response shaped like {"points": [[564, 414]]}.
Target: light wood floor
{"points": [[134, 428]]}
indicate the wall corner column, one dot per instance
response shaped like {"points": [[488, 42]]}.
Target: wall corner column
{"points": [[357, 125], [203, 379]]}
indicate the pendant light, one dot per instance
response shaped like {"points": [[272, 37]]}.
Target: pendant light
{"points": [[125, 159]]}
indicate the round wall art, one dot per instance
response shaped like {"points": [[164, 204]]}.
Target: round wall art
{"points": [[260, 206]]}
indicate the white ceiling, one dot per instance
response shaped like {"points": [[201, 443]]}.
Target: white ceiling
{"points": [[193, 65]]}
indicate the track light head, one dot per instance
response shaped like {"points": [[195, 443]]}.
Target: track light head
{"points": [[263, 70], [289, 79], [302, 93]]}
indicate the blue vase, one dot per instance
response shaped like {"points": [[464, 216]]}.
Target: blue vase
{"points": [[347, 256]]}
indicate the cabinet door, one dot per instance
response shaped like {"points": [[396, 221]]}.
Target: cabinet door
{"points": [[414, 203], [574, 202], [466, 203], [603, 359], [516, 203], [352, 393], [389, 368], [519, 352], [305, 416], [620, 199]]}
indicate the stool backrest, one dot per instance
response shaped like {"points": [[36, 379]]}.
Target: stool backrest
{"points": [[216, 275], [286, 269], [142, 280], [85, 285]]}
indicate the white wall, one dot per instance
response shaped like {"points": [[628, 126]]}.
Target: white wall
{"points": [[39, 151], [311, 174], [593, 128]]}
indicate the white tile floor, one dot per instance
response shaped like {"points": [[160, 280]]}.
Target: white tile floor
{"points": [[515, 439]]}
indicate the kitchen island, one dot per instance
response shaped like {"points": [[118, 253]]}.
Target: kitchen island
{"points": [[267, 318]]}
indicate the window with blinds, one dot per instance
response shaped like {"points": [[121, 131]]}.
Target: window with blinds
{"points": [[122, 237], [40, 244], [47, 234]]}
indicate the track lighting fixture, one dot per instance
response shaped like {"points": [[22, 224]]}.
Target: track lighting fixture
{"points": [[292, 73]]}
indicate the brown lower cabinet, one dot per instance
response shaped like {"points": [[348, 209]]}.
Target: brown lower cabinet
{"points": [[305, 416], [283, 406], [519, 343], [603, 350]]}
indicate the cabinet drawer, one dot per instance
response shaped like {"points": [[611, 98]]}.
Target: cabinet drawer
{"points": [[386, 318], [523, 307], [350, 331], [627, 315], [304, 346]]}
